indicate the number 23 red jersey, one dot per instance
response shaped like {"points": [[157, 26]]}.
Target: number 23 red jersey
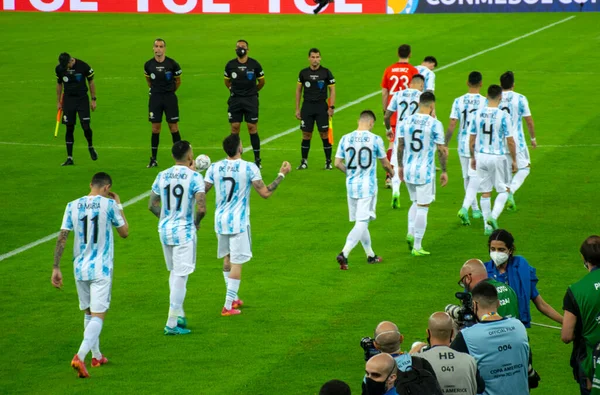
{"points": [[397, 77]]}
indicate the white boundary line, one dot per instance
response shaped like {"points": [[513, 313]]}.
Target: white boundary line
{"points": [[547, 326], [291, 130]]}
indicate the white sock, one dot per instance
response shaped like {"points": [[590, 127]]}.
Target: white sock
{"points": [[96, 347], [225, 276], [519, 179], [420, 226], [486, 207], [466, 183], [396, 184], [499, 204], [471, 194], [365, 240], [176, 297], [90, 336], [354, 236], [233, 285], [412, 215]]}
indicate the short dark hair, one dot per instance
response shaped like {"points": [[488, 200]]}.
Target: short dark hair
{"points": [[475, 78], [404, 51], [431, 59], [368, 114], [243, 41], [427, 98], [418, 77], [494, 92], [314, 50], [63, 60], [504, 236], [335, 387], [101, 179], [590, 250], [485, 293], [180, 149], [162, 40], [507, 80], [231, 144]]}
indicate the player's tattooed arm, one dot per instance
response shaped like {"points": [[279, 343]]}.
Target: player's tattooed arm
{"points": [[400, 152], [154, 204], [450, 131], [443, 156], [207, 186], [200, 208], [60, 247], [273, 186]]}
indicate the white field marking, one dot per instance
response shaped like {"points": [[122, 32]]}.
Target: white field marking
{"points": [[547, 326], [291, 130]]}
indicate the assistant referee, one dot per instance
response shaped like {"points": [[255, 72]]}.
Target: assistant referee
{"points": [[316, 81], [71, 76], [163, 76]]}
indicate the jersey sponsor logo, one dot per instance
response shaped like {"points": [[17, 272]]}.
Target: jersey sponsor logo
{"points": [[307, 84], [168, 75], [250, 74], [320, 84], [78, 77], [234, 75], [152, 75]]}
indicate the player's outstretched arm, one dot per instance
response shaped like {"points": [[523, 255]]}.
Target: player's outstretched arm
{"points": [[339, 163], [450, 131], [266, 191], [58, 252], [154, 204], [200, 208]]}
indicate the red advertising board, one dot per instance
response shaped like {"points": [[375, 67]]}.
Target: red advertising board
{"points": [[197, 6]]}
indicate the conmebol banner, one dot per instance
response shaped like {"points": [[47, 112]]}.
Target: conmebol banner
{"points": [[500, 6]]}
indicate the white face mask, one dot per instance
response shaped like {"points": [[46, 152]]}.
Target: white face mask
{"points": [[499, 258]]}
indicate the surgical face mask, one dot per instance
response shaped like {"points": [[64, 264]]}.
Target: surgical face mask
{"points": [[499, 258], [240, 52], [374, 387]]}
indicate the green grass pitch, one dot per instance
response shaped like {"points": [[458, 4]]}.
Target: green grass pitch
{"points": [[304, 317]]}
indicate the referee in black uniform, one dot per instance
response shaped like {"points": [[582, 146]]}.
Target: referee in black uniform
{"points": [[316, 81], [71, 76], [163, 75], [244, 77]]}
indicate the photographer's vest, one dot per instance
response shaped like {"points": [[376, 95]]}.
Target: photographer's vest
{"points": [[509, 303], [586, 294], [455, 371]]}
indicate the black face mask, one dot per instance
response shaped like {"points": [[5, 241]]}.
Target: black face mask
{"points": [[373, 387], [240, 52]]}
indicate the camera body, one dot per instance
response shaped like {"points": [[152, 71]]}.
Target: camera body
{"points": [[463, 314], [368, 345]]}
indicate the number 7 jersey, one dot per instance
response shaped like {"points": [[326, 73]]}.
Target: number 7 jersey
{"points": [[232, 180], [177, 187]]}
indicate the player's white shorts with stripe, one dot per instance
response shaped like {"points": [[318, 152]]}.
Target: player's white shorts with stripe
{"points": [[362, 209], [422, 193], [523, 159], [94, 294], [467, 170], [181, 259], [238, 246], [494, 172]]}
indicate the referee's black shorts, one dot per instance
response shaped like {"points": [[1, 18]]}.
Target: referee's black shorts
{"points": [[312, 112], [73, 106], [240, 108], [166, 103]]}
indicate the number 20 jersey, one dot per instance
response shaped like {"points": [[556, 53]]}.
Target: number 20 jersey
{"points": [[360, 150], [91, 219], [177, 187], [421, 133], [232, 180]]}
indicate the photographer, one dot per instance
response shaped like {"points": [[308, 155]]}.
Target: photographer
{"points": [[380, 376], [498, 344], [582, 307], [456, 371]]}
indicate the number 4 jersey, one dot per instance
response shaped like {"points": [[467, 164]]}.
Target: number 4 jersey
{"points": [[91, 218], [232, 180], [177, 187]]}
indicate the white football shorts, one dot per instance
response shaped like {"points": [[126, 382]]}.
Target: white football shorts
{"points": [[94, 294], [362, 209], [494, 172], [467, 170], [238, 246], [422, 193], [181, 259]]}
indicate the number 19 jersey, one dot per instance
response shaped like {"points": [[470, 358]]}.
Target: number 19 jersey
{"points": [[232, 180], [360, 151], [491, 126], [91, 219], [177, 187], [421, 133]]}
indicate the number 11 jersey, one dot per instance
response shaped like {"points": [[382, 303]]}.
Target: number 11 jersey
{"points": [[177, 187], [232, 180]]}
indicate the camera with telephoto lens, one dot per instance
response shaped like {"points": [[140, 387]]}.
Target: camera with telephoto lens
{"points": [[368, 345], [463, 314]]}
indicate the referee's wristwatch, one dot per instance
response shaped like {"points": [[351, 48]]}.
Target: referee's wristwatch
{"points": [[94, 98], [332, 107]]}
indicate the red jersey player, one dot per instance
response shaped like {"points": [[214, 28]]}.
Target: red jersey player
{"points": [[396, 78]]}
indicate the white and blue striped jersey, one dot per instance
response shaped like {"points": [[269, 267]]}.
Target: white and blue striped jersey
{"points": [[91, 219], [177, 187], [421, 133], [232, 180], [517, 106], [464, 109], [404, 103], [360, 151], [429, 78], [491, 126]]}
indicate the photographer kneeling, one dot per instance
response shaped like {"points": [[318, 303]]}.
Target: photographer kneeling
{"points": [[498, 344]]}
